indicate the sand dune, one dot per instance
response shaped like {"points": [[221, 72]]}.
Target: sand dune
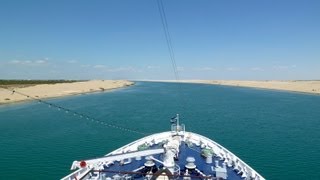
{"points": [[60, 89]]}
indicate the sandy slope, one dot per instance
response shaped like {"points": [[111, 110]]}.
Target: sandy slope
{"points": [[60, 89], [297, 86]]}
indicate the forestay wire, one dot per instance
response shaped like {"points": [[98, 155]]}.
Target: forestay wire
{"points": [[171, 51], [168, 38], [75, 113]]}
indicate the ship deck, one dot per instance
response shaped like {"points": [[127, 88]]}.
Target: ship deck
{"points": [[147, 158], [185, 151]]}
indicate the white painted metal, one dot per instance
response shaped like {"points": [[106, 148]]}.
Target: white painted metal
{"points": [[117, 157]]}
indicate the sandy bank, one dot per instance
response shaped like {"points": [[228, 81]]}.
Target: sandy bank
{"points": [[296, 86], [61, 89]]}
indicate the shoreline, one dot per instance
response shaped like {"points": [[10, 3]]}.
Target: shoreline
{"points": [[47, 91], [298, 86]]}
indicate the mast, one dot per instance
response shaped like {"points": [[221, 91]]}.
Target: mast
{"points": [[177, 117], [176, 127]]}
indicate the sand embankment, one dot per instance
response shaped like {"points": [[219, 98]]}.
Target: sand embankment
{"points": [[60, 89], [304, 86], [296, 86]]}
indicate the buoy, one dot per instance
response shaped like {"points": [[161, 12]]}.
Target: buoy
{"points": [[83, 164]]}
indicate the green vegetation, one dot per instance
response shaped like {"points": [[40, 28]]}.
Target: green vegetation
{"points": [[26, 83]]}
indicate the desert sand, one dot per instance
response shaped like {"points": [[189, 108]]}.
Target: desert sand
{"points": [[296, 86], [60, 89]]}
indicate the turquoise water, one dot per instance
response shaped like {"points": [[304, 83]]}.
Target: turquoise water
{"points": [[276, 133]]}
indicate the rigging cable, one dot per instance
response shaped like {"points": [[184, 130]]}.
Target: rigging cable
{"points": [[168, 38], [75, 113], [171, 52]]}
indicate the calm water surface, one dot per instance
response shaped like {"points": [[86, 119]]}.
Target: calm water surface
{"points": [[276, 133]]}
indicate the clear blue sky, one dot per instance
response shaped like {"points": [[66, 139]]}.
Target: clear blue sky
{"points": [[118, 39]]}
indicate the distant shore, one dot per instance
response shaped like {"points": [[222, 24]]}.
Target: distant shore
{"points": [[304, 86], [58, 89]]}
